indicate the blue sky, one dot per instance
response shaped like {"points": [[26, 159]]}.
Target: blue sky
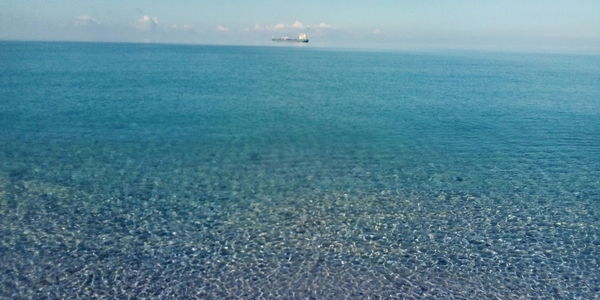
{"points": [[551, 25]]}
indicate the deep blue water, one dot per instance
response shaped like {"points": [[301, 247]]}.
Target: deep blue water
{"points": [[214, 172]]}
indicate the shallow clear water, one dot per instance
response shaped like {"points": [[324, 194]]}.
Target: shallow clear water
{"points": [[215, 172]]}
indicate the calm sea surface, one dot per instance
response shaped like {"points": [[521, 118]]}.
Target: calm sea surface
{"points": [[221, 172]]}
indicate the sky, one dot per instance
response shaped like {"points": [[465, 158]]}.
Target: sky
{"points": [[532, 25]]}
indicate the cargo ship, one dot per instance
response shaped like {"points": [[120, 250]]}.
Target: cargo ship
{"points": [[302, 38]]}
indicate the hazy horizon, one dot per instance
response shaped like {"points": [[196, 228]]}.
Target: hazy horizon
{"points": [[560, 26]]}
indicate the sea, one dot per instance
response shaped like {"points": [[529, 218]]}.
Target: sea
{"points": [[160, 171]]}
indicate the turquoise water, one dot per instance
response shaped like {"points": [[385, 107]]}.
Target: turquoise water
{"points": [[248, 172]]}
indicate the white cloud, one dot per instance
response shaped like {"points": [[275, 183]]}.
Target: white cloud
{"points": [[147, 23], [187, 27], [184, 27], [298, 25], [376, 31], [86, 20], [222, 28], [323, 25], [257, 27], [279, 26]]}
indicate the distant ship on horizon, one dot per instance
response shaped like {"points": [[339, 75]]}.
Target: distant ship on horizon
{"points": [[302, 38]]}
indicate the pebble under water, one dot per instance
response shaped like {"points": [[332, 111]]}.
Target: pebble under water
{"points": [[164, 171]]}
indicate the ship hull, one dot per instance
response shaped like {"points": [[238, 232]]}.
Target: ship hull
{"points": [[291, 40]]}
